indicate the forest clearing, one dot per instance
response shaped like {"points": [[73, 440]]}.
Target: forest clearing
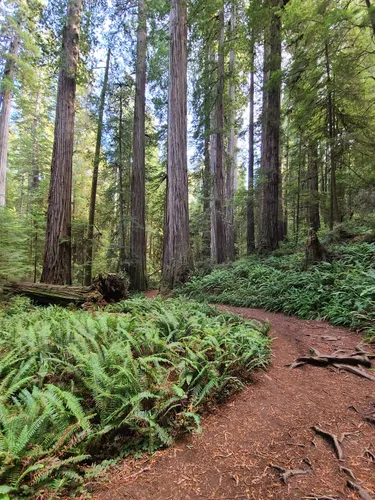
{"points": [[187, 249]]}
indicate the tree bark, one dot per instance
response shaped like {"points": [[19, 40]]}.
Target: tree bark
{"points": [[57, 253], [6, 102], [313, 187], [137, 269], [176, 254], [333, 204], [122, 232], [250, 179], [271, 148], [231, 166], [219, 173], [371, 11], [95, 173], [206, 233]]}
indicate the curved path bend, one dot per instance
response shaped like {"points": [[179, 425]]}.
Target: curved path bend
{"points": [[270, 422]]}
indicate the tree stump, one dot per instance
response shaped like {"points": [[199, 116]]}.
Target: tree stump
{"points": [[315, 251]]}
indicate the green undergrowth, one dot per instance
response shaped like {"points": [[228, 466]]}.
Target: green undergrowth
{"points": [[78, 388], [341, 291]]}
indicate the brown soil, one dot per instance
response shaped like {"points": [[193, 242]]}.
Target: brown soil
{"points": [[270, 422]]}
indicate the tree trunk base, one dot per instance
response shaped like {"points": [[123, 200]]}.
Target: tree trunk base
{"points": [[315, 251]]}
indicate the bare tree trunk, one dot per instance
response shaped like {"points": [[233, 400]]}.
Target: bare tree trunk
{"points": [[122, 240], [219, 173], [250, 179], [371, 11], [231, 166], [176, 255], [206, 234], [6, 101], [95, 173], [57, 253], [34, 180], [271, 148], [298, 207], [313, 186], [333, 205], [213, 158], [137, 269]]}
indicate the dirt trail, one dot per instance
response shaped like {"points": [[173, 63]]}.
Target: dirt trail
{"points": [[269, 422]]}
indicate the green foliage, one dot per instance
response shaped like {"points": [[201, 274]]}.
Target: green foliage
{"points": [[342, 292], [76, 388]]}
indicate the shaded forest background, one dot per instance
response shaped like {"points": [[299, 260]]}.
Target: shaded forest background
{"points": [[280, 115]]}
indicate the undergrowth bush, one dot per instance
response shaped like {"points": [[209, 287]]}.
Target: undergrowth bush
{"points": [[77, 388], [342, 291]]}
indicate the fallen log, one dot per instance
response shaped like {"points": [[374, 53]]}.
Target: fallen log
{"points": [[106, 288]]}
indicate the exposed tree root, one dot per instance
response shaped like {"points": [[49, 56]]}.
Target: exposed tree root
{"points": [[370, 454], [286, 474], [362, 493], [348, 472], [356, 371], [333, 439], [327, 359]]}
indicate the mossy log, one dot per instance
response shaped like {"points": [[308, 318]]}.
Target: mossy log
{"points": [[106, 288]]}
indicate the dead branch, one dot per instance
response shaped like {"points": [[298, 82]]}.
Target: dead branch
{"points": [[333, 440], [286, 474], [362, 493]]}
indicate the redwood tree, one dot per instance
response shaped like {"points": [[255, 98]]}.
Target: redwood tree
{"points": [[57, 252], [5, 103], [137, 268], [95, 173], [176, 255]]}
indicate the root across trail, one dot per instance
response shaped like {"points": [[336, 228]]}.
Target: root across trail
{"points": [[293, 433]]}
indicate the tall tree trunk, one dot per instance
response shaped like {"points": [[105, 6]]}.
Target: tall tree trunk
{"points": [[206, 235], [57, 253], [313, 217], [5, 102], [219, 173], [250, 179], [176, 255], [95, 173], [231, 166], [333, 203], [271, 148], [213, 158], [122, 234], [298, 204], [137, 269], [35, 173], [371, 11]]}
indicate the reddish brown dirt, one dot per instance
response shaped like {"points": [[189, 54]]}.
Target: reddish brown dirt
{"points": [[268, 423]]}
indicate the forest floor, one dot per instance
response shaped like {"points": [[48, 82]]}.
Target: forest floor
{"points": [[269, 422]]}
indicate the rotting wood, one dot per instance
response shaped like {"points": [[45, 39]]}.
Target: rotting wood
{"points": [[105, 288], [361, 491], [333, 439]]}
